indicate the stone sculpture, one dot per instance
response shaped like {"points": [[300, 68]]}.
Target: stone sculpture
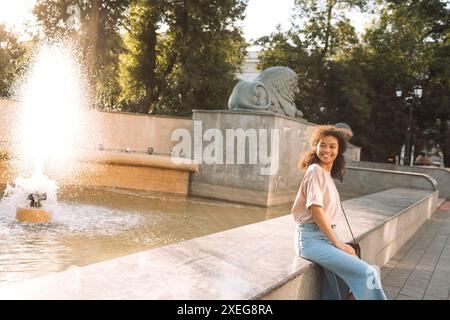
{"points": [[274, 90]]}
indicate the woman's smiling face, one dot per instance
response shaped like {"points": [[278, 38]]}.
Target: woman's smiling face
{"points": [[327, 150]]}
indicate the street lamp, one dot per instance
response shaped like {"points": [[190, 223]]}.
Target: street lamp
{"points": [[416, 93]]}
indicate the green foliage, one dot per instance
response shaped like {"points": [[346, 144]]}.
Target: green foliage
{"points": [[323, 25], [409, 47], [13, 57], [139, 78], [179, 55], [192, 65], [320, 47], [343, 79]]}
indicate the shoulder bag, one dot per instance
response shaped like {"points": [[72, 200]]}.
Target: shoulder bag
{"points": [[353, 244]]}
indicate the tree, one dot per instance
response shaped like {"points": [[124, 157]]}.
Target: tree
{"points": [[320, 47], [12, 60], [190, 65], [411, 46], [324, 26], [97, 34], [140, 81], [343, 79]]}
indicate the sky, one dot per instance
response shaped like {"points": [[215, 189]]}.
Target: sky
{"points": [[14, 12], [262, 16]]}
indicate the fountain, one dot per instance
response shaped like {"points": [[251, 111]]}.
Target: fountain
{"points": [[34, 213], [30, 198], [50, 119], [67, 202]]}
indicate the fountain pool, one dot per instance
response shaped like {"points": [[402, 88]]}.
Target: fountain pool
{"points": [[96, 224]]}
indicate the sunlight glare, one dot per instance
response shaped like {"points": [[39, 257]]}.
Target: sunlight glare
{"points": [[14, 13], [51, 108]]}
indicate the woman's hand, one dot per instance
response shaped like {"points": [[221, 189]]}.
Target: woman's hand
{"points": [[346, 248]]}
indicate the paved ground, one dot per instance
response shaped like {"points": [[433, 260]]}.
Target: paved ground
{"points": [[421, 269]]}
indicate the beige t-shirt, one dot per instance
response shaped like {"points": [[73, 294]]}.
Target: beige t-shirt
{"points": [[317, 188]]}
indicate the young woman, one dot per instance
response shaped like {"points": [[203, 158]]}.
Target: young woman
{"points": [[317, 211]]}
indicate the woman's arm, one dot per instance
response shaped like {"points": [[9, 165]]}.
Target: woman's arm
{"points": [[322, 221]]}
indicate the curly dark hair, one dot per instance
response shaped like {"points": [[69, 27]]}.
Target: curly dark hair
{"points": [[310, 157]]}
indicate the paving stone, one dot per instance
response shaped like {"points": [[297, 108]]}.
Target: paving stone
{"points": [[406, 266], [391, 264], [395, 281], [441, 276], [443, 266], [412, 291], [391, 291], [434, 251], [385, 271], [440, 239], [421, 269], [425, 268], [403, 297], [445, 255], [417, 282], [426, 297], [421, 274], [416, 253], [440, 292]]}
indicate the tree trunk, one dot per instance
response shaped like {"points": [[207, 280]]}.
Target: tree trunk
{"points": [[152, 81], [92, 44], [445, 145], [330, 6], [446, 152]]}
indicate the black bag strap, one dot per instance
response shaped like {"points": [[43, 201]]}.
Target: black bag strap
{"points": [[343, 211]]}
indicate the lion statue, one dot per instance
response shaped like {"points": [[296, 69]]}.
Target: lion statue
{"points": [[274, 90]]}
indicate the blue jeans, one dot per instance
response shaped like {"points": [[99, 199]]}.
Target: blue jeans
{"points": [[342, 272]]}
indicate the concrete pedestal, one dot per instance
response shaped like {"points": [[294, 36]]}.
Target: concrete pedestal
{"points": [[272, 145], [33, 215]]}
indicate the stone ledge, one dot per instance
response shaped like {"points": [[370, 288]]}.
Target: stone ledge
{"points": [[256, 261], [430, 180], [441, 175], [253, 113], [367, 181], [129, 159], [133, 171], [140, 160]]}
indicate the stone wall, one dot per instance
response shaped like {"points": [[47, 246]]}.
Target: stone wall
{"points": [[262, 182], [113, 130], [111, 167], [441, 175], [363, 181], [138, 131]]}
